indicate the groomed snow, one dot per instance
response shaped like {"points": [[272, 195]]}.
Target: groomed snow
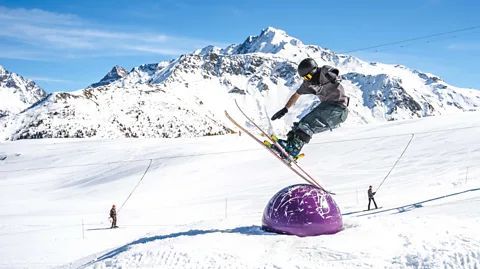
{"points": [[200, 203]]}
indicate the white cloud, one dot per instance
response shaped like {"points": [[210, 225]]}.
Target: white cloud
{"points": [[157, 50], [42, 33], [37, 16], [179, 4], [464, 46], [49, 79], [19, 55], [236, 11]]}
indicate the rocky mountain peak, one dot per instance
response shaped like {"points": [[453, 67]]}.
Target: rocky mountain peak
{"points": [[17, 93], [270, 40], [115, 74]]}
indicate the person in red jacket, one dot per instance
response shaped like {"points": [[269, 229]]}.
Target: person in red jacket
{"points": [[113, 215]]}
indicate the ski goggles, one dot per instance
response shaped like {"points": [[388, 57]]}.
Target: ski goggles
{"points": [[307, 77]]}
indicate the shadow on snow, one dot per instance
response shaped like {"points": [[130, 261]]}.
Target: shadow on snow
{"points": [[254, 229], [99, 229], [409, 207], [246, 230]]}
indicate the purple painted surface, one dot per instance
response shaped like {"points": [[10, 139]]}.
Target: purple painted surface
{"points": [[302, 210]]}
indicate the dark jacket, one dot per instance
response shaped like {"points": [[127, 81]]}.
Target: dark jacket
{"points": [[324, 85], [370, 193], [113, 212]]}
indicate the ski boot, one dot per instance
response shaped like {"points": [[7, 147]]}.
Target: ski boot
{"points": [[291, 146]]}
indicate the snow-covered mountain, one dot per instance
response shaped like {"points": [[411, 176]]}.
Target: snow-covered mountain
{"points": [[17, 93], [187, 96], [115, 74]]}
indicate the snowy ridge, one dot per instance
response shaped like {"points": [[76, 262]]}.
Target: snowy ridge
{"points": [[390, 98], [261, 74], [17, 93], [95, 112], [115, 74], [270, 41]]}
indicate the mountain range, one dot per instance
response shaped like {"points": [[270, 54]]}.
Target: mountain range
{"points": [[187, 96], [17, 93]]}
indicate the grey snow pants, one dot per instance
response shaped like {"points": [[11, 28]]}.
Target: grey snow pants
{"points": [[324, 117]]}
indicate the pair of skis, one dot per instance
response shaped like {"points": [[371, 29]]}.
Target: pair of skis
{"points": [[285, 158]]}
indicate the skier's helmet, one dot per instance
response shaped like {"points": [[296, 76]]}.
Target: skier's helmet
{"points": [[306, 68]]}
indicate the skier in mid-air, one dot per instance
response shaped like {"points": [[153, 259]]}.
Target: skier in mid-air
{"points": [[332, 110]]}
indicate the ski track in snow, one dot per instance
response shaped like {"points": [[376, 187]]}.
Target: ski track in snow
{"points": [[276, 252]]}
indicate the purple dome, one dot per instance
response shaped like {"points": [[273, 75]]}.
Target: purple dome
{"points": [[302, 210]]}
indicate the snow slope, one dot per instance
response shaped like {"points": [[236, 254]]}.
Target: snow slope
{"points": [[199, 205], [260, 73], [17, 93]]}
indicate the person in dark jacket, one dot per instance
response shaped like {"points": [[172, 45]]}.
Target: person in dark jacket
{"points": [[332, 110], [113, 215], [371, 193]]}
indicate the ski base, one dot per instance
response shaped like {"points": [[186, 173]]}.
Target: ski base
{"points": [[373, 209], [288, 161]]}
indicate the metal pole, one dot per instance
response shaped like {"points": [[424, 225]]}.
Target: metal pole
{"points": [[83, 230], [225, 207], [357, 196], [396, 162], [466, 176]]}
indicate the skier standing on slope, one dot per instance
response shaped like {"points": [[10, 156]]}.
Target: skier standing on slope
{"points": [[371, 193], [113, 215], [332, 110]]}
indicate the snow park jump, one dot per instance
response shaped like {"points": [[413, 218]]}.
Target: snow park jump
{"points": [[302, 210]]}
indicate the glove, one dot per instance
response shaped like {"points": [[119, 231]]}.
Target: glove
{"points": [[280, 113], [332, 77]]}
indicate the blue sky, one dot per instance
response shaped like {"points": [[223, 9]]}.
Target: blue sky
{"points": [[67, 45]]}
